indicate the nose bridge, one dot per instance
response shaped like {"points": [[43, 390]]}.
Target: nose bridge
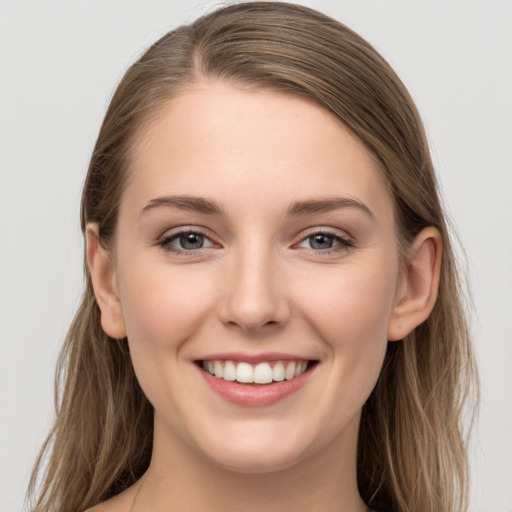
{"points": [[254, 295]]}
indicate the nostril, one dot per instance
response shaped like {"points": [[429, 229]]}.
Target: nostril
{"points": [[253, 300], [253, 324]]}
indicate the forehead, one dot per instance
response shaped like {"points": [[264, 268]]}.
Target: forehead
{"points": [[255, 146]]}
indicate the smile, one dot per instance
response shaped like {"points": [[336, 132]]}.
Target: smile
{"points": [[255, 380], [261, 373]]}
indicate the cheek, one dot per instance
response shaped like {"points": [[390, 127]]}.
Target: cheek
{"points": [[160, 303], [353, 306], [163, 308], [351, 313]]}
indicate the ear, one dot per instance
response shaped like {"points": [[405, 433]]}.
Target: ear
{"points": [[417, 293], [104, 281]]}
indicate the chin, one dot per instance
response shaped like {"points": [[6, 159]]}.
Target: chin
{"points": [[256, 461], [257, 451]]}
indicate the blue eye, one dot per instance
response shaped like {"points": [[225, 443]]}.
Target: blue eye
{"points": [[324, 242], [321, 241], [186, 241]]}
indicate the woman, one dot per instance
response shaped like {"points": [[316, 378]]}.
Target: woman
{"points": [[272, 317]]}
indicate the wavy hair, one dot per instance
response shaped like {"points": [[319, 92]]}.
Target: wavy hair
{"points": [[412, 448]]}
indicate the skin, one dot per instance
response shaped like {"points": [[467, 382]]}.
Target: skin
{"points": [[257, 285]]}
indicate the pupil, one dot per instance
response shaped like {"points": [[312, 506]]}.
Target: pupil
{"points": [[321, 242], [191, 241]]}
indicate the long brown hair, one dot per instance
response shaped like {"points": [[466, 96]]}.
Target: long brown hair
{"points": [[412, 452]]}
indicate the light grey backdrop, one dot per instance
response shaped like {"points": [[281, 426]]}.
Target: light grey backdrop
{"points": [[59, 63]]}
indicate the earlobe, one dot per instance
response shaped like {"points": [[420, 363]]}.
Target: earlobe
{"points": [[418, 293], [104, 281]]}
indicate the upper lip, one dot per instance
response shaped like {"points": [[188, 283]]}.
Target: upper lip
{"points": [[254, 358]]}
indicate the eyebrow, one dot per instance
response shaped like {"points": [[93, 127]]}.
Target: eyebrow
{"points": [[327, 205], [208, 206], [191, 203]]}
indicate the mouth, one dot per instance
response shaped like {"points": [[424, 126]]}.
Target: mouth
{"points": [[262, 373], [256, 380]]}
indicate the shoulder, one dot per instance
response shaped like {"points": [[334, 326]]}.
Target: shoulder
{"points": [[97, 508], [120, 503], [106, 506]]}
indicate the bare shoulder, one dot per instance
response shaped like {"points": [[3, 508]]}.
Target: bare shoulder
{"points": [[120, 503], [98, 508]]}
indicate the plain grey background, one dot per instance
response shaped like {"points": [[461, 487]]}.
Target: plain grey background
{"points": [[59, 64]]}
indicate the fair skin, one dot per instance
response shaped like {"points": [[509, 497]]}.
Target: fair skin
{"points": [[291, 254]]}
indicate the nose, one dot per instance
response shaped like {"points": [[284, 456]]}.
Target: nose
{"points": [[254, 298]]}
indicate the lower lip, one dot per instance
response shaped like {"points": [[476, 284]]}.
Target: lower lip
{"points": [[255, 395]]}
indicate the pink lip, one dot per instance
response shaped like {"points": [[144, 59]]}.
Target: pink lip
{"points": [[254, 358], [255, 395]]}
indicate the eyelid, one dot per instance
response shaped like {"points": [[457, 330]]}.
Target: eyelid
{"points": [[344, 239], [165, 240], [324, 230]]}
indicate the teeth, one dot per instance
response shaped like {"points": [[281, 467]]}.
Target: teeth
{"points": [[261, 373], [244, 373], [278, 372], [289, 373], [219, 369], [229, 371]]}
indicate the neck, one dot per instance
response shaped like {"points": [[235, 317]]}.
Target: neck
{"points": [[181, 479]]}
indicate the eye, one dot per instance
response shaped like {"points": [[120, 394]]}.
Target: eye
{"points": [[186, 241], [324, 242]]}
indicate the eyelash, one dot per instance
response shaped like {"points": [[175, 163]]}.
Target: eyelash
{"points": [[166, 242], [342, 242]]}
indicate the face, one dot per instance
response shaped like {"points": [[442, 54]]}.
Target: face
{"points": [[256, 240]]}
